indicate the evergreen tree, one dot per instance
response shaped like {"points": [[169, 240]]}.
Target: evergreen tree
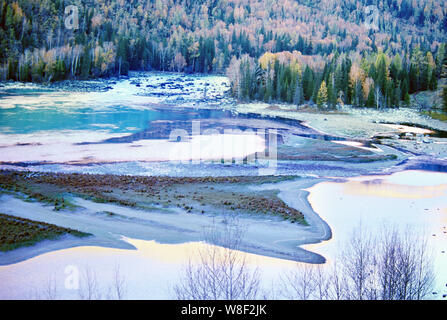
{"points": [[404, 87], [395, 94], [298, 97], [444, 98], [444, 77], [381, 80], [440, 55], [308, 83], [433, 82], [407, 99], [316, 86], [371, 100], [413, 79], [86, 63], [123, 56], [268, 95]]}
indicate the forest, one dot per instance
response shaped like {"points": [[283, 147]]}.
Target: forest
{"points": [[296, 50], [369, 80]]}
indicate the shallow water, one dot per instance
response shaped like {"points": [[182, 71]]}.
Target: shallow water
{"points": [[409, 199], [116, 119], [50, 126], [149, 272], [125, 128], [126, 131], [413, 199]]}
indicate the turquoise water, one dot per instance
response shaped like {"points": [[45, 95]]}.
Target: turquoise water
{"points": [[116, 119], [29, 108], [39, 127]]}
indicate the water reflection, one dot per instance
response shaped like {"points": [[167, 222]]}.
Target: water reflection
{"points": [[152, 268], [415, 199], [149, 271], [382, 188]]}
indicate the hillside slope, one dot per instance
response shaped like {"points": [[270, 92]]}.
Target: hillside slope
{"points": [[38, 43]]}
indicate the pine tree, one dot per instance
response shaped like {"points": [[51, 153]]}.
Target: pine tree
{"points": [[440, 55], [444, 76], [298, 97], [407, 99], [308, 83], [416, 70], [395, 94], [86, 63], [371, 100], [357, 95], [316, 86], [444, 98], [433, 83], [413, 79], [404, 86], [381, 80], [122, 56], [268, 95]]}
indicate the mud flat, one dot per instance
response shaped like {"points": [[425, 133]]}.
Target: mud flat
{"points": [[118, 135], [410, 131], [275, 215]]}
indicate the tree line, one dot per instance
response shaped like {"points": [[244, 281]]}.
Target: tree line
{"points": [[376, 80], [115, 36]]}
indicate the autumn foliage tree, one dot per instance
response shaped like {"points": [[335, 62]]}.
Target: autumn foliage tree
{"points": [[322, 97]]}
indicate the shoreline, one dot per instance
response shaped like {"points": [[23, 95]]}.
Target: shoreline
{"points": [[282, 241], [23, 254], [286, 238]]}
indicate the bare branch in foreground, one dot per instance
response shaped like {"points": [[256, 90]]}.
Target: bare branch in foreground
{"points": [[222, 272], [392, 265]]}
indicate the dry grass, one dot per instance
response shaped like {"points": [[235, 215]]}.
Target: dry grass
{"points": [[194, 195], [19, 232]]}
